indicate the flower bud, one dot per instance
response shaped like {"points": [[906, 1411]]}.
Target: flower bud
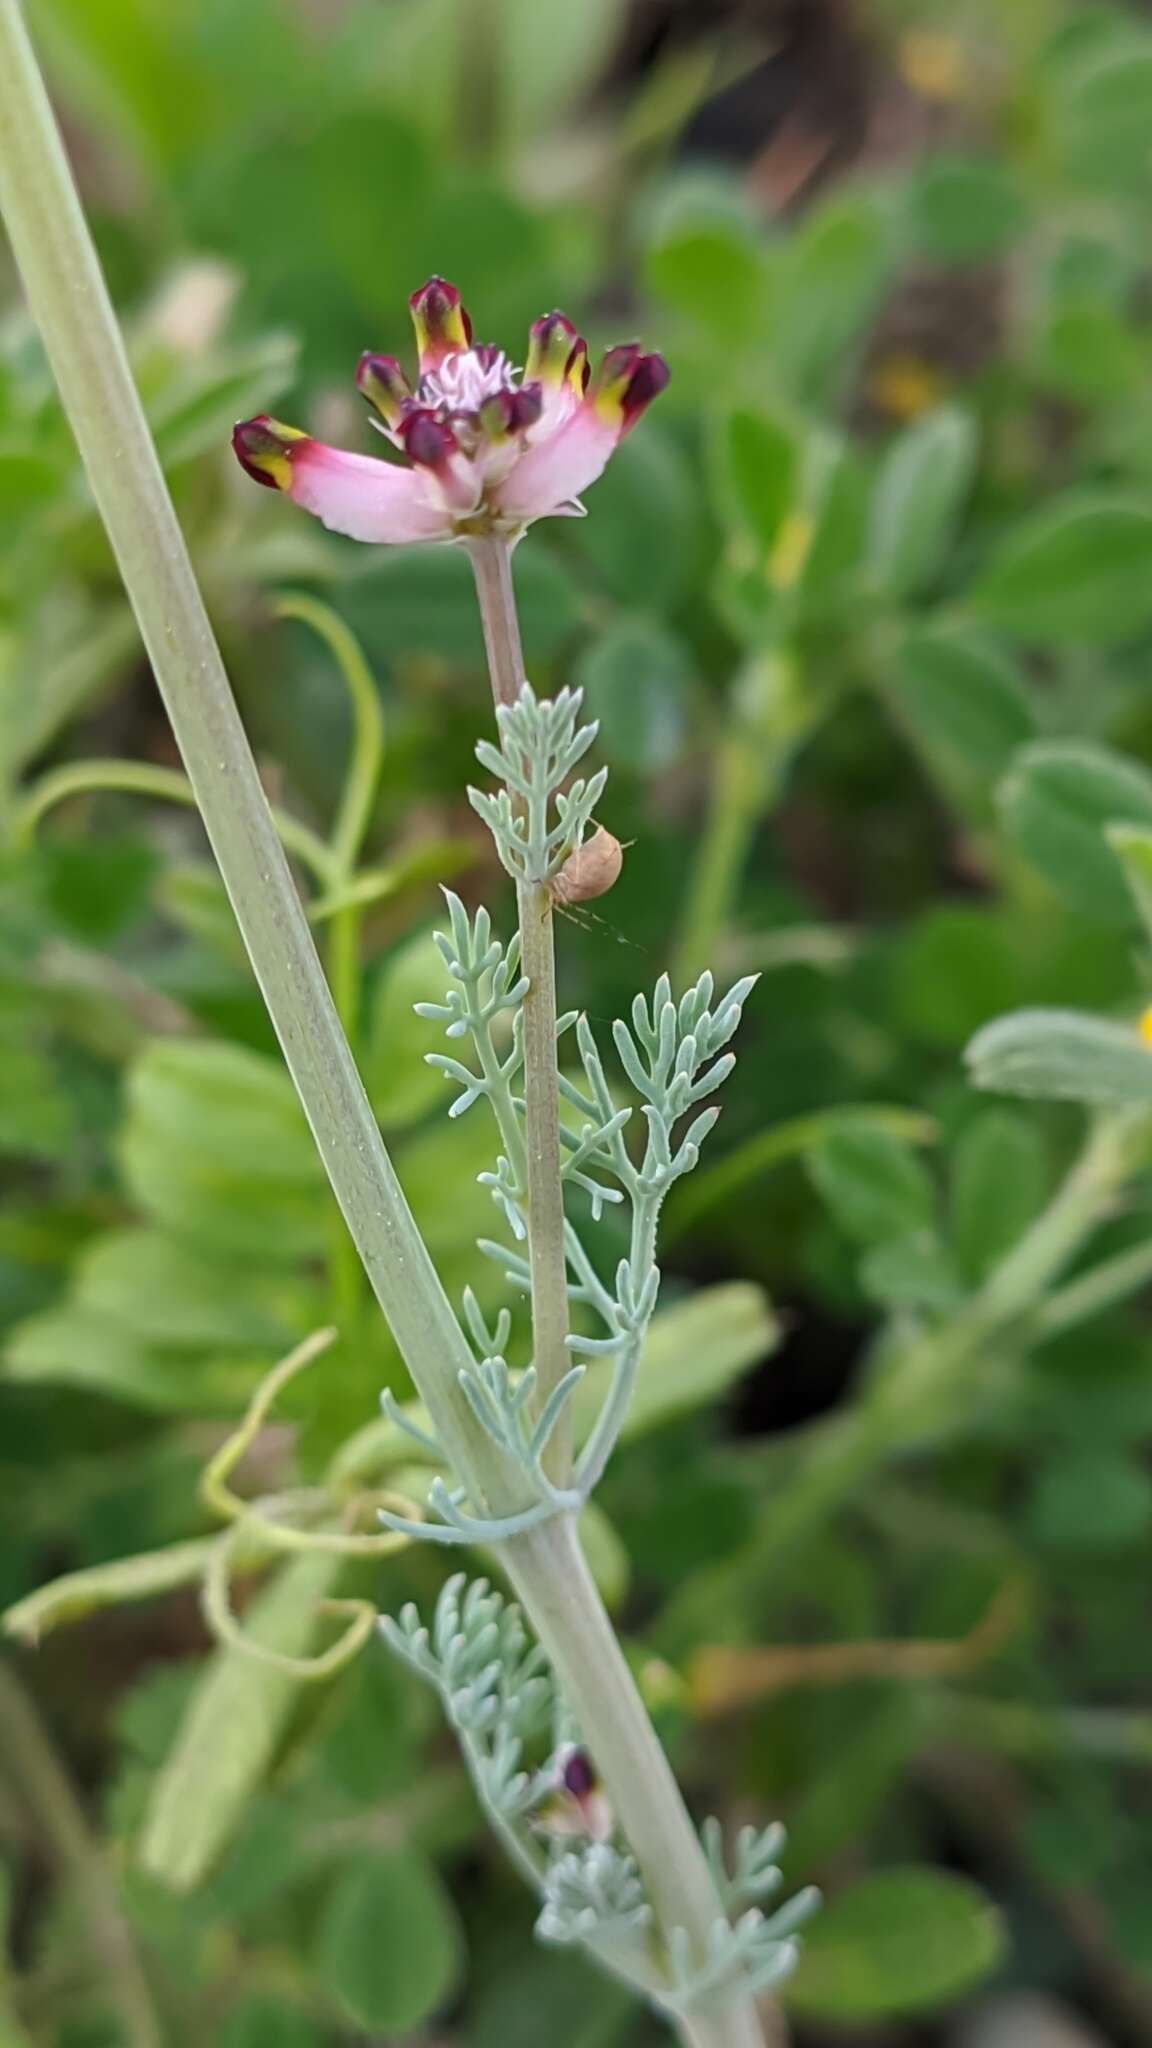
{"points": [[442, 326], [382, 382], [554, 348], [263, 447], [626, 382]]}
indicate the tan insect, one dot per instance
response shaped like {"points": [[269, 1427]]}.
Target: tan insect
{"points": [[589, 871]]}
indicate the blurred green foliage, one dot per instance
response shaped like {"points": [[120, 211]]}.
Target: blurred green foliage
{"points": [[865, 611]]}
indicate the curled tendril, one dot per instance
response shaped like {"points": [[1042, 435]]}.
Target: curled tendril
{"points": [[273, 1521]]}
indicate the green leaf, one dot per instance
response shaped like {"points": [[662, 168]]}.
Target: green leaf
{"points": [[389, 1949], [838, 1805], [1103, 112], [401, 1085], [635, 679], [1062, 1053], [874, 1184], [835, 499], [784, 1142], [1055, 806], [231, 1731], [830, 276], [81, 1347], [1076, 573], [216, 1148], [755, 468], [423, 601], [900, 1941], [1091, 1500], [919, 493], [1090, 353], [1000, 1178], [694, 1352], [550, 57], [964, 209], [261, 2022], [645, 536], [1133, 849], [170, 1294], [964, 704], [37, 1119], [705, 261], [914, 1272]]}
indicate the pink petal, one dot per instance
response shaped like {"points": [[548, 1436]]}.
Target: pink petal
{"points": [[556, 469], [365, 498]]}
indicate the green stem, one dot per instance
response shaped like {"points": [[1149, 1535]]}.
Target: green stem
{"points": [[70, 304], [549, 1572], [39, 1780], [167, 785], [1019, 1281], [346, 1274], [735, 802], [367, 752], [547, 1258], [547, 1566]]}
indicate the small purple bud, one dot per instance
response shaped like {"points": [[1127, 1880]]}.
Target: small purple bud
{"points": [[427, 441]]}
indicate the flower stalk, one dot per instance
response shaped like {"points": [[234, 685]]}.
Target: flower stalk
{"points": [[491, 563]]}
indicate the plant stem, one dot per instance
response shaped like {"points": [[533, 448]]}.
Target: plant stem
{"points": [[37, 1778], [70, 304], [548, 1570], [547, 1566], [491, 563], [492, 568], [735, 803]]}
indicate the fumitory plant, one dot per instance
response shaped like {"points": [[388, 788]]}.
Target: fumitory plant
{"points": [[554, 1732]]}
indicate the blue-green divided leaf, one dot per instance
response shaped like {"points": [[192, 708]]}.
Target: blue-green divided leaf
{"points": [[1077, 573], [1062, 1054], [918, 497], [1000, 1178], [389, 1949], [230, 1732], [1056, 805], [964, 704], [900, 1941]]}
